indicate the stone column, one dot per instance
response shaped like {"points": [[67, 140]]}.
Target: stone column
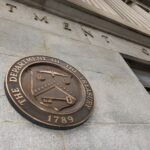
{"points": [[128, 13], [103, 5], [141, 11], [99, 6]]}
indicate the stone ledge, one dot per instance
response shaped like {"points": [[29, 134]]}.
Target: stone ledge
{"points": [[83, 16]]}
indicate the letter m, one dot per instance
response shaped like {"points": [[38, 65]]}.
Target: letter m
{"points": [[41, 19]]}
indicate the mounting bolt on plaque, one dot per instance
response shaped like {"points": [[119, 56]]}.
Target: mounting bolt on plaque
{"points": [[49, 92]]}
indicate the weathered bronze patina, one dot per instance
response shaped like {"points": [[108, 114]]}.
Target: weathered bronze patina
{"points": [[49, 92]]}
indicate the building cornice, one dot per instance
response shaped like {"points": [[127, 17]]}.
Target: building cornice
{"points": [[81, 15]]}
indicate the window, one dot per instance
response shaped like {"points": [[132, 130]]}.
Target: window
{"points": [[141, 69]]}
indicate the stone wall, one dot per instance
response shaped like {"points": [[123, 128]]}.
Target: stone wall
{"points": [[121, 117]]}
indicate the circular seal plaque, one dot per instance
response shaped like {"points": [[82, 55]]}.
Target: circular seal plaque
{"points": [[49, 92]]}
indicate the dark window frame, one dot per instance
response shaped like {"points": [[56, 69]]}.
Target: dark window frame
{"points": [[140, 65]]}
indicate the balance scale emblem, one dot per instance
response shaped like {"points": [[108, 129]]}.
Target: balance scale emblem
{"points": [[49, 88]]}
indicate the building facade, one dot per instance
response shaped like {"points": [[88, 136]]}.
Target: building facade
{"points": [[109, 42]]}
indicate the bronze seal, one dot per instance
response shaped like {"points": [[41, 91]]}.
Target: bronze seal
{"points": [[49, 92]]}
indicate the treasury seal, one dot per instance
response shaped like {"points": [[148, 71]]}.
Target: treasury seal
{"points": [[49, 92]]}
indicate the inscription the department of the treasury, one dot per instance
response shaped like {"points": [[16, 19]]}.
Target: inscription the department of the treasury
{"points": [[89, 92], [13, 76], [16, 69], [18, 95]]}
